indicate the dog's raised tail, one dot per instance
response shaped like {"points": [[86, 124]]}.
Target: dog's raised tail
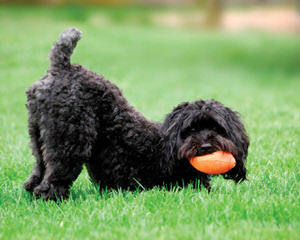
{"points": [[63, 48]]}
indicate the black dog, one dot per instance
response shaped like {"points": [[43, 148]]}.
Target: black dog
{"points": [[77, 117]]}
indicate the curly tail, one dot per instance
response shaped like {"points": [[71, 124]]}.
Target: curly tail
{"points": [[63, 48]]}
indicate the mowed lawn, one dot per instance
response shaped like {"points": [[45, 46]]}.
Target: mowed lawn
{"points": [[256, 74]]}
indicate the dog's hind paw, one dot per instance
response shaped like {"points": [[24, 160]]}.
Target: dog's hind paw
{"points": [[31, 183], [48, 191]]}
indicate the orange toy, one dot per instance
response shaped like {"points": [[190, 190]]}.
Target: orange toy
{"points": [[215, 163]]}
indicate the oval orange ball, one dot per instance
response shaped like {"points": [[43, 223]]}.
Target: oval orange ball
{"points": [[215, 163]]}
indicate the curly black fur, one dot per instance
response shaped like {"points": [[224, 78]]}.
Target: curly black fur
{"points": [[77, 117]]}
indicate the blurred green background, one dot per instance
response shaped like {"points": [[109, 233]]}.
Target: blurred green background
{"points": [[245, 54]]}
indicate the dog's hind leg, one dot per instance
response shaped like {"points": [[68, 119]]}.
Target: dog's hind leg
{"points": [[58, 178], [38, 170], [67, 145]]}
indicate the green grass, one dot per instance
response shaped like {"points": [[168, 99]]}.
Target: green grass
{"points": [[256, 74]]}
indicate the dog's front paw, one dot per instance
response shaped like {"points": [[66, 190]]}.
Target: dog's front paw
{"points": [[49, 191], [31, 183]]}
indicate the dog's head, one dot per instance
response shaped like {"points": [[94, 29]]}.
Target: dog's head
{"points": [[202, 127]]}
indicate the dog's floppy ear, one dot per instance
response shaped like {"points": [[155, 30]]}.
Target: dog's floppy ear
{"points": [[172, 119], [171, 134], [237, 133], [231, 123]]}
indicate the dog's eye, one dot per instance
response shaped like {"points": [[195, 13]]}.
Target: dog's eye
{"points": [[219, 130], [187, 132]]}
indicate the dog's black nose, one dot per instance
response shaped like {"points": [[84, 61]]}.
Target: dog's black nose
{"points": [[206, 146]]}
